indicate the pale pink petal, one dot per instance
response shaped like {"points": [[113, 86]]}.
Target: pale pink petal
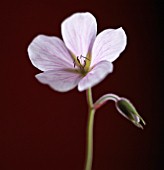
{"points": [[48, 53], [79, 32], [108, 45], [59, 80], [97, 74]]}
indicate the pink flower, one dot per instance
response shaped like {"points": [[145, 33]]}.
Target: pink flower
{"points": [[81, 59]]}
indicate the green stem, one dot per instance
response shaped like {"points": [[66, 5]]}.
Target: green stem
{"points": [[89, 145]]}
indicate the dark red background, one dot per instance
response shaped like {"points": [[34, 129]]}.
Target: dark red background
{"points": [[45, 130]]}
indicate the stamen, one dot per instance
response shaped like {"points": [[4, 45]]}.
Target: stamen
{"points": [[84, 57], [85, 63], [74, 63], [77, 62]]}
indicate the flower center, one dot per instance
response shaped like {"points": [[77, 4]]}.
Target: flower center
{"points": [[82, 63]]}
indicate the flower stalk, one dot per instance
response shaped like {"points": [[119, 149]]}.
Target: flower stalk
{"points": [[89, 139]]}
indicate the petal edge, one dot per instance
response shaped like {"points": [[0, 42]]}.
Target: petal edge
{"points": [[59, 80], [97, 74], [79, 32], [48, 53], [108, 45]]}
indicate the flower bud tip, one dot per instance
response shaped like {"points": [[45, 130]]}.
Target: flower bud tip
{"points": [[126, 108]]}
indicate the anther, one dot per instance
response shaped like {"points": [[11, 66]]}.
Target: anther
{"points": [[85, 63], [78, 60], [74, 63]]}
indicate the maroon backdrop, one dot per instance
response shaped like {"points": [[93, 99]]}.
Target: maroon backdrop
{"points": [[45, 130]]}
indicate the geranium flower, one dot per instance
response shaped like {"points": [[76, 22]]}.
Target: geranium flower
{"points": [[81, 58]]}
